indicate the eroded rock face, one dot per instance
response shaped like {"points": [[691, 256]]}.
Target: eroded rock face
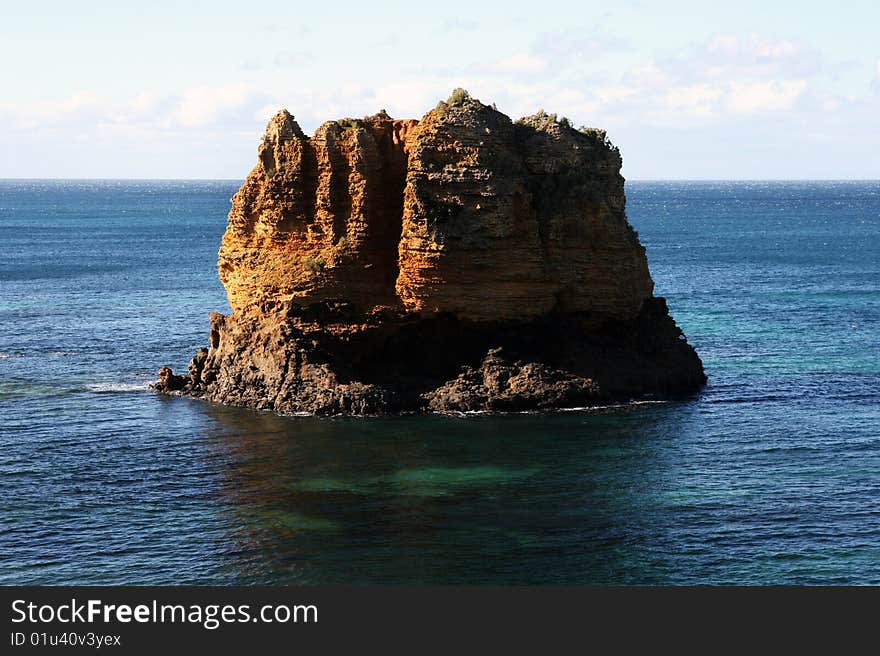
{"points": [[459, 262], [512, 221], [318, 218]]}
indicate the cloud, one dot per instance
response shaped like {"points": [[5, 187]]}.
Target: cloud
{"points": [[87, 116], [725, 77], [648, 75], [200, 106], [287, 58], [457, 25], [720, 79], [615, 93], [753, 55], [574, 44], [752, 47], [145, 102], [765, 96], [520, 63], [266, 112], [726, 57], [76, 103], [78, 108], [697, 99], [723, 81], [281, 60], [387, 41], [297, 29]]}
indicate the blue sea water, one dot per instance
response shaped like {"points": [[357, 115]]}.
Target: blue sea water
{"points": [[771, 475]]}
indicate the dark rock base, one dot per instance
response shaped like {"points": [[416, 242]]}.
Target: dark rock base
{"points": [[325, 360]]}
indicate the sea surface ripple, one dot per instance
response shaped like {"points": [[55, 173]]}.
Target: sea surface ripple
{"points": [[771, 475]]}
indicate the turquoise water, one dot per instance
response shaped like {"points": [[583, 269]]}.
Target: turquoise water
{"points": [[771, 475]]}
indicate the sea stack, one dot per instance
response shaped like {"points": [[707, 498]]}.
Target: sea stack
{"points": [[460, 262]]}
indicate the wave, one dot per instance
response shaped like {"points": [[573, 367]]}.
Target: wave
{"points": [[117, 388], [612, 406], [546, 411], [757, 399], [18, 389], [7, 356], [490, 413]]}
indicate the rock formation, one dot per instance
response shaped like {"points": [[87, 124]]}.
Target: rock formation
{"points": [[459, 262]]}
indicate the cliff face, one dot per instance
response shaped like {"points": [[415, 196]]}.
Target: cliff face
{"points": [[318, 218], [459, 262], [512, 221]]}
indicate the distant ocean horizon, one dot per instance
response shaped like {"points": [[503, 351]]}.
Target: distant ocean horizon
{"points": [[636, 180], [770, 475]]}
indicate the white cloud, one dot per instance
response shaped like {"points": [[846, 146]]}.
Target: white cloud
{"points": [[615, 93], [81, 107], [735, 48], [520, 63], [720, 79], [725, 57], [407, 100], [145, 102], [457, 25], [766, 96], [200, 106], [698, 99], [648, 75], [706, 86], [574, 44], [287, 58], [143, 117], [776, 49], [77, 102], [266, 112], [830, 104], [727, 44]]}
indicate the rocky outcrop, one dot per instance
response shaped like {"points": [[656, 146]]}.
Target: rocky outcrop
{"points": [[459, 262], [318, 218], [511, 221]]}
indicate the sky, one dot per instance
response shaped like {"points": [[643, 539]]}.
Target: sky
{"points": [[687, 90]]}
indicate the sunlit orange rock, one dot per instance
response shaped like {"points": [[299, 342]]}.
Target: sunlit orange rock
{"points": [[462, 261]]}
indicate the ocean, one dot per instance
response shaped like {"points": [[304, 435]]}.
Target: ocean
{"points": [[771, 475]]}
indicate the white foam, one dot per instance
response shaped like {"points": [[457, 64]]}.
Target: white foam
{"points": [[109, 388], [611, 406], [545, 411], [7, 356], [624, 404]]}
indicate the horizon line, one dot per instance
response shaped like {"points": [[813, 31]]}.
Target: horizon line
{"points": [[160, 179]]}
